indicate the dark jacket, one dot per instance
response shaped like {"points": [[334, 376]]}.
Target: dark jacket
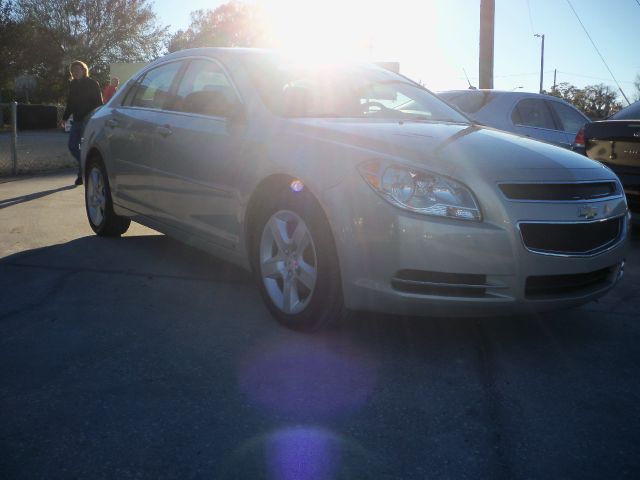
{"points": [[84, 96]]}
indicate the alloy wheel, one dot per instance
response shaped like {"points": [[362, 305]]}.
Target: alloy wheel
{"points": [[288, 262], [96, 199]]}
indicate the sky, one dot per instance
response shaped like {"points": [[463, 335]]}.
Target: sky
{"points": [[436, 41]]}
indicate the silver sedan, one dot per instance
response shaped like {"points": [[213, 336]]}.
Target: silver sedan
{"points": [[348, 187], [542, 117]]}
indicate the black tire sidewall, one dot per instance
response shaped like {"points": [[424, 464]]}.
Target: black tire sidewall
{"points": [[91, 164], [112, 224]]}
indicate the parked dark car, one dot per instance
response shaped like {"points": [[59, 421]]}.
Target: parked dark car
{"points": [[541, 117], [616, 143]]}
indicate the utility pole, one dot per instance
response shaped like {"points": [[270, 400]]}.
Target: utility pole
{"points": [[555, 72], [541, 59], [487, 27], [14, 138]]}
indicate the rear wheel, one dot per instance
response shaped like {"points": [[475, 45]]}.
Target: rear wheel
{"points": [[99, 205], [295, 263]]}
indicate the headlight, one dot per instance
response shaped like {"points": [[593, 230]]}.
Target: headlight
{"points": [[421, 191]]}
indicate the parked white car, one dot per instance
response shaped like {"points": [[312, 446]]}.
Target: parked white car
{"points": [[350, 187]]}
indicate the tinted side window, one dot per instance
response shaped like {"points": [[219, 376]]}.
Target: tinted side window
{"points": [[571, 120], [532, 112], [128, 97], [206, 90], [154, 89]]}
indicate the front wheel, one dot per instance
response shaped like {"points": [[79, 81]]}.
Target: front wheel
{"points": [[98, 203], [296, 265]]}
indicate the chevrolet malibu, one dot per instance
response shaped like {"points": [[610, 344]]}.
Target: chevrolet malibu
{"points": [[348, 187]]}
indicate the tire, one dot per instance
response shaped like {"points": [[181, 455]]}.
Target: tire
{"points": [[99, 206], [294, 259]]}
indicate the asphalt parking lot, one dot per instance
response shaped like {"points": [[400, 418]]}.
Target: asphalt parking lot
{"points": [[142, 358]]}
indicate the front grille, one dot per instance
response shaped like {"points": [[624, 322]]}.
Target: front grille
{"points": [[547, 192], [422, 282], [586, 238], [558, 286]]}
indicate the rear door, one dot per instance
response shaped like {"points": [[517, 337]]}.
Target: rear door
{"points": [[132, 134], [569, 119], [533, 117], [198, 152]]}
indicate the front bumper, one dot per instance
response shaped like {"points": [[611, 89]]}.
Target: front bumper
{"points": [[397, 262]]}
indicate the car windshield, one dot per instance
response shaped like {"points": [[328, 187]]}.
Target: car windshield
{"points": [[350, 90]]}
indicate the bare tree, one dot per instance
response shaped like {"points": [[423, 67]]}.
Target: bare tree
{"points": [[100, 31], [96, 31]]}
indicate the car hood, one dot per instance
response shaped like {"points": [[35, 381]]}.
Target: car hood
{"points": [[458, 150]]}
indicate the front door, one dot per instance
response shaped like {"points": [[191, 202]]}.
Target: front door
{"points": [[199, 155]]}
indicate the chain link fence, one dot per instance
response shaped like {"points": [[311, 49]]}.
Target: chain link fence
{"points": [[31, 151]]}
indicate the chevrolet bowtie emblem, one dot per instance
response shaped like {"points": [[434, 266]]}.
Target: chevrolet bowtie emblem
{"points": [[587, 212]]}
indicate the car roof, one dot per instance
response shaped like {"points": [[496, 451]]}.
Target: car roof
{"points": [[630, 112], [501, 93], [216, 52], [504, 94]]}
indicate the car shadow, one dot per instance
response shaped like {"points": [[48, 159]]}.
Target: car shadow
{"points": [[152, 339], [160, 257], [145, 255]]}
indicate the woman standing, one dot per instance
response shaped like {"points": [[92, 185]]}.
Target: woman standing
{"points": [[84, 96]]}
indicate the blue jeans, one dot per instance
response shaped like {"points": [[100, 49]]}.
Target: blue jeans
{"points": [[75, 135]]}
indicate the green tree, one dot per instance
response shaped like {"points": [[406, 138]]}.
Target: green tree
{"points": [[596, 101], [636, 84], [233, 24], [96, 31], [600, 101], [25, 48]]}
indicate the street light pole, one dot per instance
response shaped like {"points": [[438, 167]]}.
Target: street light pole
{"points": [[541, 59]]}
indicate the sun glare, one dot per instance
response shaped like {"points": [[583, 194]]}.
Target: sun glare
{"points": [[320, 29], [403, 31]]}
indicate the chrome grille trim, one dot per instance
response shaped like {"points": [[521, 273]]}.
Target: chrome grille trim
{"points": [[445, 285], [619, 193]]}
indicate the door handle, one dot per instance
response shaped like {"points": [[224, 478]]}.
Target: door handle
{"points": [[164, 130], [112, 123]]}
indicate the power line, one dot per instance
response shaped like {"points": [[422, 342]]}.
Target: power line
{"points": [[588, 76], [531, 20], [638, 2], [598, 52], [531, 74]]}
